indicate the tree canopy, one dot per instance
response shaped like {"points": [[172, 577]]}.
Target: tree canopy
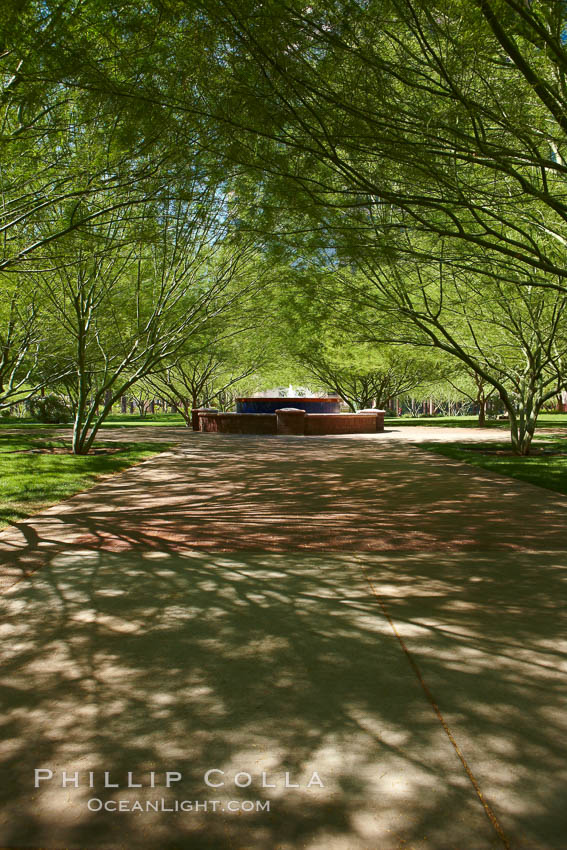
{"points": [[413, 151]]}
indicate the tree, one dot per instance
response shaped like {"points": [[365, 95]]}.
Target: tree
{"points": [[331, 352], [28, 362], [19, 344], [365, 121], [364, 376], [129, 295], [513, 338], [474, 387], [451, 110], [143, 397], [205, 374], [60, 149]]}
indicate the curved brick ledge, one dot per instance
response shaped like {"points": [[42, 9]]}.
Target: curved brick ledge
{"points": [[289, 421]]}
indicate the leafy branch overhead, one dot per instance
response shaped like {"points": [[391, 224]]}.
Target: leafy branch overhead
{"points": [[163, 167]]}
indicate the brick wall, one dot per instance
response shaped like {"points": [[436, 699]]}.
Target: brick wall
{"points": [[313, 424]]}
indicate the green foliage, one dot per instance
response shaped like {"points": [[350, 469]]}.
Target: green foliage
{"points": [[330, 346], [412, 152], [50, 409]]}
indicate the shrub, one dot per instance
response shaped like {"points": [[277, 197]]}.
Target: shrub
{"points": [[50, 409]]}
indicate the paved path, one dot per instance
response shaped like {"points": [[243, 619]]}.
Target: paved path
{"points": [[285, 494], [356, 607], [165, 433]]}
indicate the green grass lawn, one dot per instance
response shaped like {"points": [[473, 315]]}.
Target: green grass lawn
{"points": [[32, 481], [171, 419], [545, 470], [113, 421], [545, 420]]}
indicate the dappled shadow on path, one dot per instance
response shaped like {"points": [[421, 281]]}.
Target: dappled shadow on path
{"points": [[228, 493], [276, 663], [226, 605], [489, 638]]}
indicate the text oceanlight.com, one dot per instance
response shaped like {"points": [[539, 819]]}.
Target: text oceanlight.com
{"points": [[162, 805]]}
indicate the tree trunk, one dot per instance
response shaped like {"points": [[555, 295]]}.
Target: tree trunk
{"points": [[480, 400], [523, 424], [186, 411], [82, 397]]}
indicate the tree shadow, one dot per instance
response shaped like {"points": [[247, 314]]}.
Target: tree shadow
{"points": [[253, 663], [230, 493], [221, 608]]}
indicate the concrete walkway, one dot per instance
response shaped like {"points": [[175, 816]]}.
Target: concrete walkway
{"points": [[173, 434], [359, 613]]}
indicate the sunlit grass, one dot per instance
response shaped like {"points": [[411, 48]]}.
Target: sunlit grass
{"points": [[32, 481], [172, 419], [544, 470], [545, 420], [112, 421]]}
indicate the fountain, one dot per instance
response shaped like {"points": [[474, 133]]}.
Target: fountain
{"points": [[303, 416]]}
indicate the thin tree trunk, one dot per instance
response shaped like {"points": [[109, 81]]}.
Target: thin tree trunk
{"points": [[523, 425], [482, 410]]}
